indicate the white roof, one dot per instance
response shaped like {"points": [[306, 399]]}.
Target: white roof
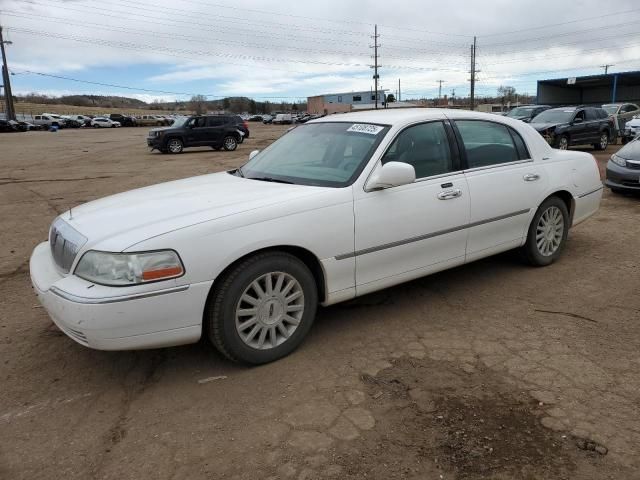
{"points": [[401, 116]]}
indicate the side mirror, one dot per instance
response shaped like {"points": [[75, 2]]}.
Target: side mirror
{"points": [[392, 174], [578, 120], [253, 154]]}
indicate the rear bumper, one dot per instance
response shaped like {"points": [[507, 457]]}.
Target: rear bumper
{"points": [[117, 318]]}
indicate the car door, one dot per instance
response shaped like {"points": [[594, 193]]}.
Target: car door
{"points": [[504, 182], [593, 122], [578, 130], [408, 231], [194, 131], [215, 130]]}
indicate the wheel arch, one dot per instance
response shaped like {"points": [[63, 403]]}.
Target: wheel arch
{"points": [[304, 255], [568, 200]]}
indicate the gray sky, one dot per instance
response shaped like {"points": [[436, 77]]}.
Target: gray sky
{"points": [[291, 49]]}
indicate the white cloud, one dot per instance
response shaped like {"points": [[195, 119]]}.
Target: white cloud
{"points": [[261, 48]]}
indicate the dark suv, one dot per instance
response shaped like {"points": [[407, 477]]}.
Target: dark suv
{"points": [[567, 126], [124, 120], [215, 131]]}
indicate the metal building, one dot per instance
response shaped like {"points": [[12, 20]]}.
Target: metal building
{"points": [[590, 90]]}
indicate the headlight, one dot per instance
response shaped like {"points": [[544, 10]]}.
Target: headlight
{"points": [[618, 161], [122, 269]]}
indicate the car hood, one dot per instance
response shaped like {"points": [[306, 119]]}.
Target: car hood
{"points": [[114, 223], [633, 123], [631, 151], [544, 126]]}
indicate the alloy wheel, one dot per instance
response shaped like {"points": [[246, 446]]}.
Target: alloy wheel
{"points": [[564, 143], [269, 310], [175, 146], [230, 143], [550, 231], [604, 141]]}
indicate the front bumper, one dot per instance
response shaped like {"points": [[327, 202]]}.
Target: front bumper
{"points": [[118, 318], [154, 142], [622, 178]]}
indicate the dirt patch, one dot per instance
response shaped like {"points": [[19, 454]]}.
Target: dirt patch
{"points": [[433, 418]]}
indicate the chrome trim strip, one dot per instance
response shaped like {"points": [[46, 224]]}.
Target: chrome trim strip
{"points": [[427, 236], [102, 301], [498, 165], [591, 192]]}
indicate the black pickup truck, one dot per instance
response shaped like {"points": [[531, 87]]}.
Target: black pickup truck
{"points": [[566, 126]]}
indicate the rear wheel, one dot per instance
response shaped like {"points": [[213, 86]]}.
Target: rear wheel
{"points": [[547, 233], [262, 309], [563, 143], [175, 145], [604, 142], [230, 143]]}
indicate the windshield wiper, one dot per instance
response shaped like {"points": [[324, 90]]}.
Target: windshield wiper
{"points": [[239, 173], [271, 179]]}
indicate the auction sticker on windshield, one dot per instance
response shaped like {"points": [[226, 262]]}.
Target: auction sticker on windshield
{"points": [[365, 128]]}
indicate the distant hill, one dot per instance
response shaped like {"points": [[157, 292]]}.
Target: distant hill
{"points": [[198, 104]]}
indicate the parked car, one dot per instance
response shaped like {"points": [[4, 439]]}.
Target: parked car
{"points": [[266, 119], [102, 122], [124, 120], [84, 120], [255, 118], [526, 113], [631, 129], [57, 120], [148, 120], [621, 113], [215, 131], [567, 126], [8, 126], [330, 211], [623, 169], [283, 119], [26, 126], [46, 121]]}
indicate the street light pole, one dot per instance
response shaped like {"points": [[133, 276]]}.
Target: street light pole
{"points": [[8, 96]]}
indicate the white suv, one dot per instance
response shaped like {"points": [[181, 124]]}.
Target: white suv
{"points": [[101, 122]]}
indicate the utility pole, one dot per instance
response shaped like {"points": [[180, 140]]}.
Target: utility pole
{"points": [[606, 67], [399, 92], [6, 79], [440, 82], [375, 66], [473, 75]]}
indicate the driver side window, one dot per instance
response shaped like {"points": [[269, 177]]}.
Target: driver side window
{"points": [[425, 147]]}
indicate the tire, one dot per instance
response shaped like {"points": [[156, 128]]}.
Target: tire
{"points": [[263, 340], [624, 140], [604, 141], [96, 126], [551, 221], [563, 143], [174, 145], [230, 143]]}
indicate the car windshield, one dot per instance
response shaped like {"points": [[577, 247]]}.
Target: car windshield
{"points": [[521, 112], [328, 154], [554, 116], [179, 121], [610, 109]]}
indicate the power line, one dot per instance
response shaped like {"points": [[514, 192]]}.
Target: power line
{"points": [[138, 89]]}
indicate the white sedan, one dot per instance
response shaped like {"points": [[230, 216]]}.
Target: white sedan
{"points": [[101, 122], [338, 207]]}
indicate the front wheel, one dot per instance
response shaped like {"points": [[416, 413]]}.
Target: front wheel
{"points": [[604, 142], [262, 309], [175, 145], [547, 233], [230, 143]]}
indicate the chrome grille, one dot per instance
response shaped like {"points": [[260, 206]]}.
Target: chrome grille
{"points": [[633, 165], [65, 242]]}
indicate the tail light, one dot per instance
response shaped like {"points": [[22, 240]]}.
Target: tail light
{"points": [[246, 125]]}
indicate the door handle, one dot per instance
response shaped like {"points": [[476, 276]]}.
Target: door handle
{"points": [[450, 194], [531, 177]]}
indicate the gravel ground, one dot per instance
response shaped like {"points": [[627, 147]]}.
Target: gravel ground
{"points": [[491, 370]]}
